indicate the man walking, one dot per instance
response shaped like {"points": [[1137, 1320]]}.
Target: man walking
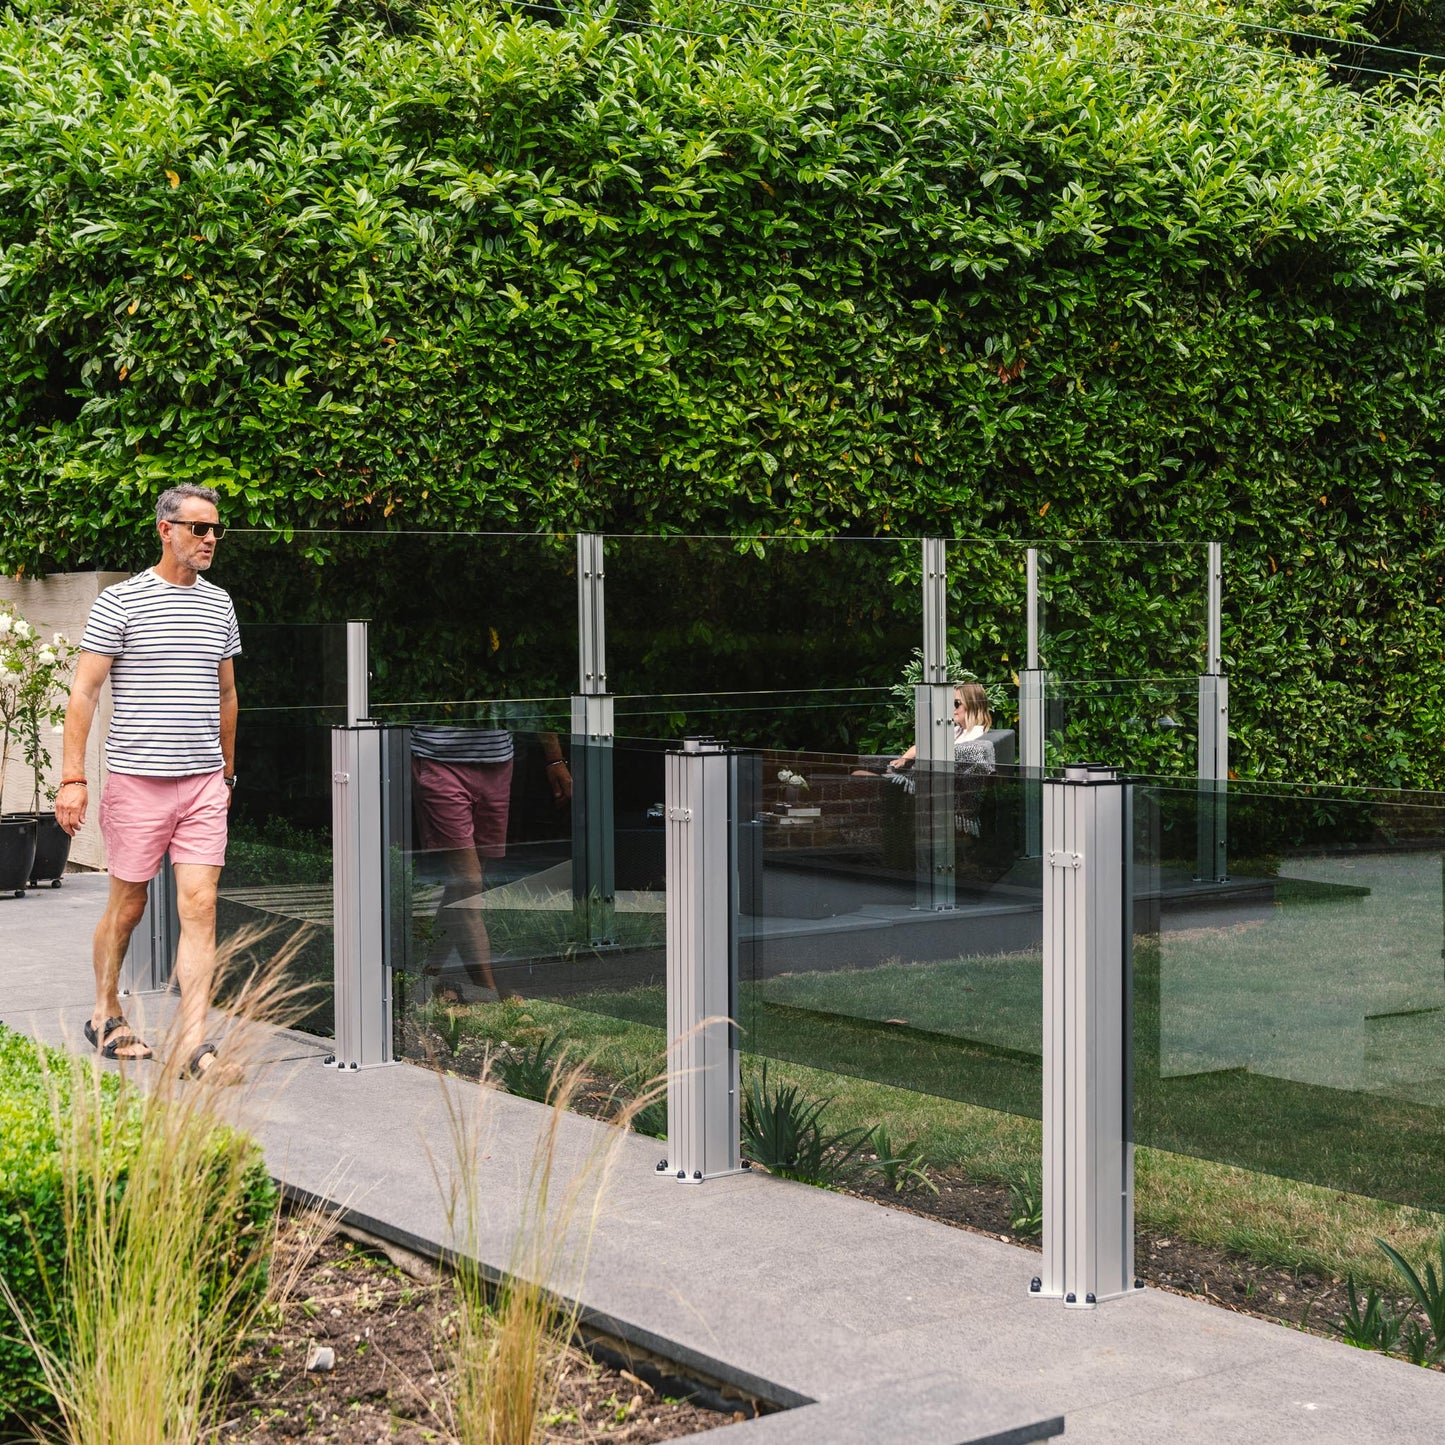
{"points": [[166, 639]]}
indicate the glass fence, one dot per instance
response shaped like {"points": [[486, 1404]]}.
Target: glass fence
{"points": [[1123, 609], [278, 874], [777, 642], [454, 620], [839, 965], [848, 965], [510, 901], [1137, 724], [1286, 1019], [1292, 1019]]}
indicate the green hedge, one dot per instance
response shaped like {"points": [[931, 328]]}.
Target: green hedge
{"points": [[32, 1214], [997, 275]]}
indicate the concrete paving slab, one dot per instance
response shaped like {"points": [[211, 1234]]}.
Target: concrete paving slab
{"points": [[931, 1411], [894, 1327], [45, 944], [1302, 1398]]}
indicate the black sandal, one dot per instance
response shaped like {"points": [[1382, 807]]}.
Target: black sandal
{"points": [[114, 1036], [191, 1070]]}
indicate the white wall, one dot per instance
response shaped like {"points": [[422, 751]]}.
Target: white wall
{"points": [[61, 604]]}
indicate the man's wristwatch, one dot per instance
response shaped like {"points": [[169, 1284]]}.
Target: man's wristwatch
{"points": [[229, 782]]}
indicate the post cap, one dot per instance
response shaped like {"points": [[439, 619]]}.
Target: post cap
{"points": [[704, 744]]}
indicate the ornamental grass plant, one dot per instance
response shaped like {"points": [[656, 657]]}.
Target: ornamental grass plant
{"points": [[168, 1216], [515, 1328]]}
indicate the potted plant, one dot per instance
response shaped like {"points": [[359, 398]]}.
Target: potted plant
{"points": [[17, 831]]}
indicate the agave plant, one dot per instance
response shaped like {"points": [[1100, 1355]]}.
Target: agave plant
{"points": [[783, 1131], [1429, 1294], [1368, 1326], [530, 1071]]}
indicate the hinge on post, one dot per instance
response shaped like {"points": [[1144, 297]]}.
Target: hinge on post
{"points": [[1059, 859]]}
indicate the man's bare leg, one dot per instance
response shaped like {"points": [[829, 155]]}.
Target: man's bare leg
{"points": [[466, 928], [195, 957], [123, 910]]}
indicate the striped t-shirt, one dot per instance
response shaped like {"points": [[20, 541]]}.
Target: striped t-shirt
{"points": [[462, 745], [167, 642]]}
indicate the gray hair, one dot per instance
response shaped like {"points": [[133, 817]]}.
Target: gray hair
{"points": [[168, 504]]}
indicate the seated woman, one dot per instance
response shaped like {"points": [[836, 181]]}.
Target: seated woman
{"points": [[973, 757]]}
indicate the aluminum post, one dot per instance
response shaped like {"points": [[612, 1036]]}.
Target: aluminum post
{"points": [[703, 1078], [1031, 717], [1088, 1184], [366, 796], [151, 954], [594, 873], [933, 777], [591, 615], [1213, 759], [935, 610], [933, 739], [358, 673], [593, 835]]}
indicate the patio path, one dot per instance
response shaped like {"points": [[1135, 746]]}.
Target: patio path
{"points": [[897, 1328]]}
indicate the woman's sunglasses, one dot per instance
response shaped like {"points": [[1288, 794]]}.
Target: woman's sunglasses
{"points": [[199, 529]]}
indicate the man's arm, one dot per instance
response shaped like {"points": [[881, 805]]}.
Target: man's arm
{"points": [[226, 676], [558, 777], [90, 675]]}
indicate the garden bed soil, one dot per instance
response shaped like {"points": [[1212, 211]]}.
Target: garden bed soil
{"points": [[1218, 1276], [388, 1329]]}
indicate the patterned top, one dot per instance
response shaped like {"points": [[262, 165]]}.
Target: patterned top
{"points": [[167, 642], [462, 744]]}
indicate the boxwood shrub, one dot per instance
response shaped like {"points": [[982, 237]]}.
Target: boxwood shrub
{"points": [[32, 1212]]}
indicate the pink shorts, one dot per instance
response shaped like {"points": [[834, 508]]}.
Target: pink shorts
{"points": [[140, 818], [462, 805]]}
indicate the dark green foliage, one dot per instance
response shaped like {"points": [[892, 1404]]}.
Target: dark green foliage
{"points": [[275, 852], [1371, 1326], [650, 1116], [1026, 1205], [900, 1162], [1374, 1326], [450, 1025], [1428, 1293], [531, 1070], [783, 1131], [32, 1214], [366, 264], [1416, 1343]]}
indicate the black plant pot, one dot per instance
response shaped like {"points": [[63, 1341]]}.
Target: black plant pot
{"points": [[17, 852], [52, 851]]}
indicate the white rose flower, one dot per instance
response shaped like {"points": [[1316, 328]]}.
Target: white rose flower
{"points": [[22, 628], [45, 657], [60, 640], [58, 729], [6, 623], [5, 671]]}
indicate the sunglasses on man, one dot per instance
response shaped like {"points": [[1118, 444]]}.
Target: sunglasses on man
{"points": [[199, 529]]}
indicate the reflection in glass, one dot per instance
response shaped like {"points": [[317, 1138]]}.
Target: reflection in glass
{"points": [[1290, 1019], [846, 973], [278, 875]]}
